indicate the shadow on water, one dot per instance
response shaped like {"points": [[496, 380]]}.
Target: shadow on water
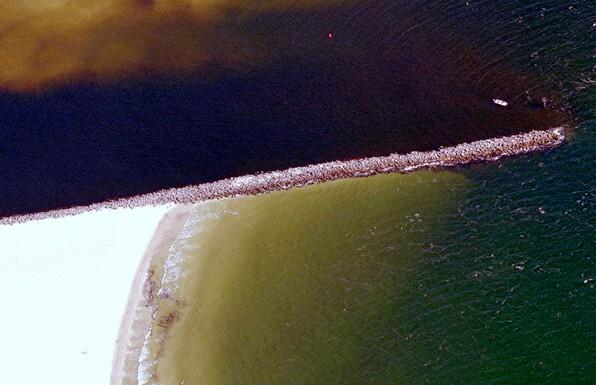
{"points": [[344, 82]]}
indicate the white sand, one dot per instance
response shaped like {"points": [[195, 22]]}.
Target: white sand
{"points": [[63, 289]]}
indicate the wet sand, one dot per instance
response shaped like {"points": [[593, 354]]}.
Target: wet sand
{"points": [[141, 301], [461, 154]]}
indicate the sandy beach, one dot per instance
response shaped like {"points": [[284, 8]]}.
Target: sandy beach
{"points": [[68, 279]]}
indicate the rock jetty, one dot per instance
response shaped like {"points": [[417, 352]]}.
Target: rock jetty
{"points": [[461, 154]]}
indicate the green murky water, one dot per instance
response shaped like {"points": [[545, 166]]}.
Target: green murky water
{"points": [[310, 286]]}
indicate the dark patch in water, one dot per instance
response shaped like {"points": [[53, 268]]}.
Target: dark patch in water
{"points": [[378, 87]]}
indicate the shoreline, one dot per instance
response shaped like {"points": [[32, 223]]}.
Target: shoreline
{"points": [[140, 309], [485, 150], [140, 306]]}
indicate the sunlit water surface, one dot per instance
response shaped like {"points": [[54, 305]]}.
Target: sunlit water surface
{"points": [[492, 283]]}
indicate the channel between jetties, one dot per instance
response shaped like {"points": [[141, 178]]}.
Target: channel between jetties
{"points": [[486, 150]]}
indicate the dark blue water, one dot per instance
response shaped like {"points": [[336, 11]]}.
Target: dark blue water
{"points": [[508, 296], [395, 77]]}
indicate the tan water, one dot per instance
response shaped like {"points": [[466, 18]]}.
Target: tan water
{"points": [[296, 287]]}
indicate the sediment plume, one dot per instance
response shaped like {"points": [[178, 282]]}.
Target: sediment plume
{"points": [[45, 43], [461, 154]]}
